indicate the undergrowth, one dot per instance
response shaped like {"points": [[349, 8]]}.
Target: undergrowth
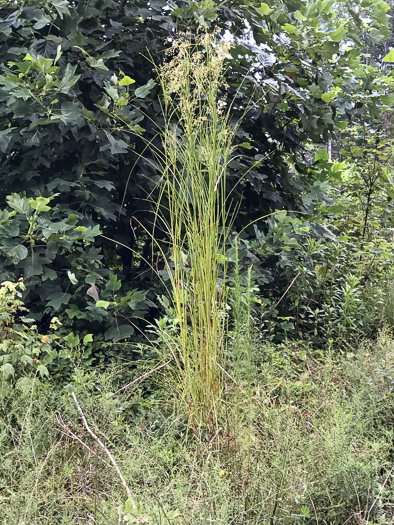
{"points": [[307, 441]]}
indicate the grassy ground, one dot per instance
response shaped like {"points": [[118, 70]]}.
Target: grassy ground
{"points": [[304, 440]]}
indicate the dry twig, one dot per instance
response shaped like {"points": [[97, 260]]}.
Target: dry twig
{"points": [[98, 440], [284, 295], [68, 432], [146, 374]]}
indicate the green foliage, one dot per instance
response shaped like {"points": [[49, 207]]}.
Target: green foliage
{"points": [[74, 79], [56, 255], [131, 207], [339, 294], [24, 352], [312, 442]]}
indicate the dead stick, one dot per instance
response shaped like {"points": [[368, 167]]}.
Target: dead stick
{"points": [[96, 438], [69, 433], [215, 436], [138, 379], [212, 440], [284, 295]]}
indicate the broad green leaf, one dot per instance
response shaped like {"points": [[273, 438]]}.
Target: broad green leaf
{"points": [[382, 6], [356, 151], [322, 154], [329, 49], [112, 92], [74, 311], [97, 63], [143, 91], [88, 339], [333, 93], [116, 146], [69, 79], [336, 209], [387, 99], [117, 333], [25, 384], [126, 81], [19, 253], [27, 360], [48, 273], [72, 339], [114, 283], [42, 370], [18, 203], [5, 139], [264, 9], [137, 298], [29, 58], [61, 6], [301, 17], [102, 304], [89, 234], [42, 22], [56, 300], [7, 370], [290, 28], [377, 35], [45, 65], [280, 215], [325, 6], [71, 114], [221, 258], [40, 204], [92, 277], [177, 12], [338, 33], [389, 57]]}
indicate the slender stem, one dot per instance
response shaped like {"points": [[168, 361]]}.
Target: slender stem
{"points": [[101, 444]]}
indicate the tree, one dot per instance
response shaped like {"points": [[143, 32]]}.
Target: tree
{"points": [[75, 79]]}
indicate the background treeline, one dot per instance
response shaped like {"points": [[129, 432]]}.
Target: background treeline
{"points": [[78, 87], [196, 262]]}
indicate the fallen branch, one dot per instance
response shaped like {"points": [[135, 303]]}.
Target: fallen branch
{"points": [[284, 295], [215, 436], [96, 438], [146, 374], [69, 433]]}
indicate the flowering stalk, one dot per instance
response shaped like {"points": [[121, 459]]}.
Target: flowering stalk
{"points": [[197, 143]]}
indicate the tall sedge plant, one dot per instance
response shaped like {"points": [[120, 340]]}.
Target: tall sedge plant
{"points": [[197, 142]]}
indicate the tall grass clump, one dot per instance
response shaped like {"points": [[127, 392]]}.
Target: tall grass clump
{"points": [[197, 143]]}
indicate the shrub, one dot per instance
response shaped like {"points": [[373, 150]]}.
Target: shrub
{"points": [[24, 351]]}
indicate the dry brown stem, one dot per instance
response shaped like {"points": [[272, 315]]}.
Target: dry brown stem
{"points": [[101, 444]]}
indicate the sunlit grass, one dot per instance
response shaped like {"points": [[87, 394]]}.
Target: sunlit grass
{"points": [[197, 142]]}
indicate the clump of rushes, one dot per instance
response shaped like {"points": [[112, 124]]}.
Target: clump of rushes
{"points": [[197, 143]]}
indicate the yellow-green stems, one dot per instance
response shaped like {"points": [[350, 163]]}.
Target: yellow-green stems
{"points": [[197, 142]]}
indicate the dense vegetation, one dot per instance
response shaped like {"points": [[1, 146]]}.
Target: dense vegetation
{"points": [[196, 261]]}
